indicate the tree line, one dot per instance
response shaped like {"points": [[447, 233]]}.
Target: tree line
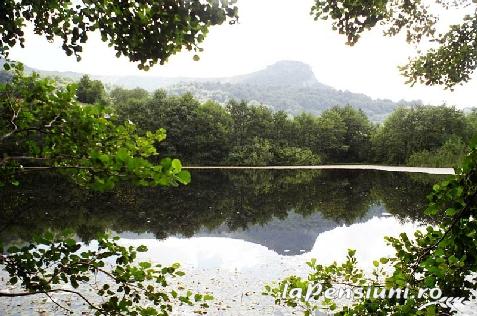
{"points": [[243, 134]]}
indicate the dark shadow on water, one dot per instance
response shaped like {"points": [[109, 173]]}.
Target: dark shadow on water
{"points": [[284, 210]]}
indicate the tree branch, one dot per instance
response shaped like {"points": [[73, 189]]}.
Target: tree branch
{"points": [[22, 294], [55, 168], [58, 304], [16, 130], [52, 121], [426, 251], [30, 129]]}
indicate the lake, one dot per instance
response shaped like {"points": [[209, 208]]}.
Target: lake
{"points": [[232, 230]]}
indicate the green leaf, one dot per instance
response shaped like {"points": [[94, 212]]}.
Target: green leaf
{"points": [[145, 265], [122, 154], [451, 211], [166, 163], [70, 242], [176, 164], [208, 297], [184, 177], [141, 248]]}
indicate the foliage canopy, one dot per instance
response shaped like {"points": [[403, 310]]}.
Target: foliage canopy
{"points": [[42, 127], [452, 61], [147, 32], [58, 264]]}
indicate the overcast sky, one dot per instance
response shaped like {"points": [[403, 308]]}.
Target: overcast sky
{"points": [[269, 31]]}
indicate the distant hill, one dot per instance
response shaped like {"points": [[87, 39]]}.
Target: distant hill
{"points": [[290, 86]]}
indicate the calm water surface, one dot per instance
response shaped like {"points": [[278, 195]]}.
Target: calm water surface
{"points": [[233, 230]]}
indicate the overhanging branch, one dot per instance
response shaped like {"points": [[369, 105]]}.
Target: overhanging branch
{"points": [[23, 294]]}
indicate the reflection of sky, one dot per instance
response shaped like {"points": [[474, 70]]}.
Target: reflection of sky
{"points": [[235, 271], [367, 238], [235, 254], [206, 252]]}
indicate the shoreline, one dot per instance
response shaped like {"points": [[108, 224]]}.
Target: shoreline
{"points": [[428, 170]]}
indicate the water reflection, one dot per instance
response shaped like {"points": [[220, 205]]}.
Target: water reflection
{"points": [[230, 254], [232, 231], [283, 210], [292, 235]]}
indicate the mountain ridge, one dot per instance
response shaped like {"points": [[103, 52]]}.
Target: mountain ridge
{"points": [[287, 85]]}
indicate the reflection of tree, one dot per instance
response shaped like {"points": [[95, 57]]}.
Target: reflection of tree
{"points": [[405, 196], [235, 199], [343, 196]]}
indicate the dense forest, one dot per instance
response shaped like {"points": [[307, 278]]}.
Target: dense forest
{"points": [[242, 134]]}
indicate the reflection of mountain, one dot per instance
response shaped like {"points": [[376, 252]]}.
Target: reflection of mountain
{"points": [[367, 237], [286, 237], [290, 236]]}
